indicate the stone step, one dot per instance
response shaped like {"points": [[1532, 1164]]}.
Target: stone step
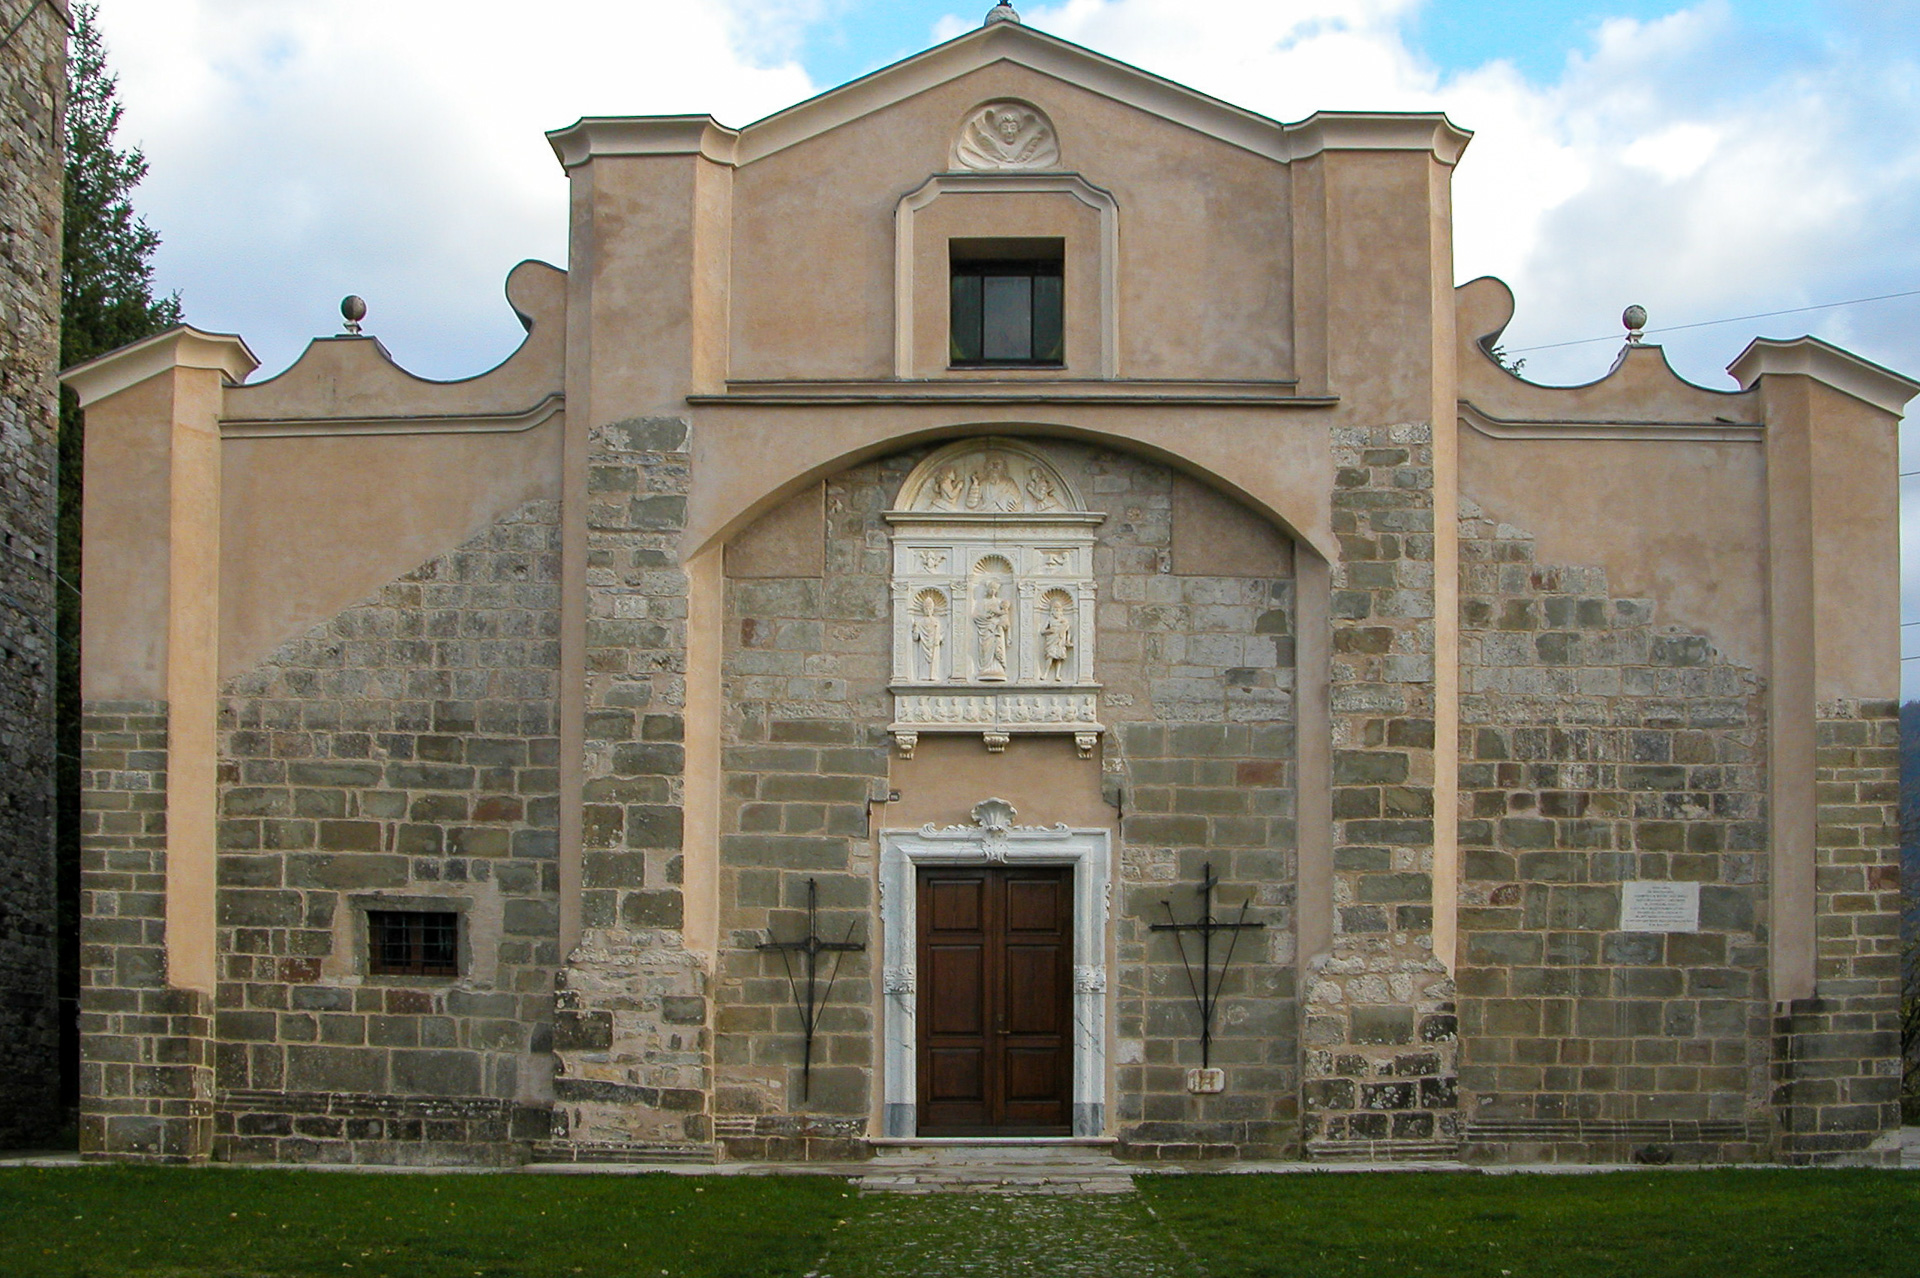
{"points": [[1010, 1167]]}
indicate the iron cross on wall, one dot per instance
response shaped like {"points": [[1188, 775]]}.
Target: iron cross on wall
{"points": [[1206, 990], [810, 1001]]}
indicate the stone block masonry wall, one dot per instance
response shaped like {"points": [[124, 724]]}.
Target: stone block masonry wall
{"points": [[1602, 744], [1380, 1031], [402, 756], [631, 1034], [33, 94], [805, 746], [1837, 1054], [1199, 670], [1198, 685], [146, 1084]]}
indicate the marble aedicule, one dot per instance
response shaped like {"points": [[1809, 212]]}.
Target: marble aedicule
{"points": [[993, 599]]}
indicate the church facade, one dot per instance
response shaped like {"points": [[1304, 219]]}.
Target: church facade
{"points": [[1007, 600]]}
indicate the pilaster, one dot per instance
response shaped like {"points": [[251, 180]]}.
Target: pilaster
{"points": [[149, 679]]}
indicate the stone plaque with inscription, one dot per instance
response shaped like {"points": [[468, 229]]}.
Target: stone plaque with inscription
{"points": [[1653, 905]]}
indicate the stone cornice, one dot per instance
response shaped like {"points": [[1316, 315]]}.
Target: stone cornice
{"points": [[181, 347], [1644, 431], [604, 135], [416, 424], [1378, 131], [1847, 373]]}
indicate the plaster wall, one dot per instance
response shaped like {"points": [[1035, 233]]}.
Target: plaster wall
{"points": [[127, 525], [381, 504], [1683, 523], [813, 239]]}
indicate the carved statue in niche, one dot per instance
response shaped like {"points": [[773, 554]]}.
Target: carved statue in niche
{"points": [[992, 623], [930, 631], [993, 489], [1056, 638], [1041, 488], [1007, 135]]}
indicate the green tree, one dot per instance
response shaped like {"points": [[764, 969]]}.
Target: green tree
{"points": [[106, 301]]}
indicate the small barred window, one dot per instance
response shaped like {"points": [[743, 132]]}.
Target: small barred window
{"points": [[413, 943]]}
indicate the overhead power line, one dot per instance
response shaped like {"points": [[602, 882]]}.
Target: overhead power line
{"points": [[1731, 319]]}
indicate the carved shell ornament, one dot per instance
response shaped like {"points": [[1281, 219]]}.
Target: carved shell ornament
{"points": [[1001, 136]]}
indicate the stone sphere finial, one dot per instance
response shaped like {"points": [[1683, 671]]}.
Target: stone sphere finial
{"points": [[353, 309], [1002, 12], [1635, 318]]}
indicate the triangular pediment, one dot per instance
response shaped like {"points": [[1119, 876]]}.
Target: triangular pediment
{"points": [[1019, 45], [1022, 46]]}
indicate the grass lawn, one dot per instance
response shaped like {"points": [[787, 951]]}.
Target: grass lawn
{"points": [[168, 1223]]}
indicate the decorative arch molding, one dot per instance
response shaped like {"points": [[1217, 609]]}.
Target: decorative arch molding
{"points": [[996, 183], [759, 479]]}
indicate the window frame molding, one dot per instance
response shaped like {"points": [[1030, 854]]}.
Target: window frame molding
{"points": [[362, 904], [1072, 184]]}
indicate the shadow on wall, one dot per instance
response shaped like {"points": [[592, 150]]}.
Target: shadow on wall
{"points": [[1910, 922]]}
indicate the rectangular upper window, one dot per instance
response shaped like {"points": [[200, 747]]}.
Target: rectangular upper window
{"points": [[413, 943], [1007, 304]]}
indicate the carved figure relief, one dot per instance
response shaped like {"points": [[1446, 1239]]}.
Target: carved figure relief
{"points": [[930, 631], [948, 489], [993, 489], [993, 610], [1006, 135], [1041, 488], [1056, 637], [992, 623]]}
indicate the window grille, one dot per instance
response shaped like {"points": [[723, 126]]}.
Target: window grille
{"points": [[413, 943]]}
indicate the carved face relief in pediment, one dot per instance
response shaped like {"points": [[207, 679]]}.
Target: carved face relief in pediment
{"points": [[1000, 136]]}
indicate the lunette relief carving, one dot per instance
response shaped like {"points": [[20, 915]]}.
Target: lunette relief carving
{"points": [[1003, 136]]}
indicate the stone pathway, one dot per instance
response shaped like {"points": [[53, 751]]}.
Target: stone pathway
{"points": [[954, 1235]]}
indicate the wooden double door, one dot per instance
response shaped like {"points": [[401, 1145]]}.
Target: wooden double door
{"points": [[995, 1014]]}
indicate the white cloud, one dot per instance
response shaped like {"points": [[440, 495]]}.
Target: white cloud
{"points": [[304, 149]]}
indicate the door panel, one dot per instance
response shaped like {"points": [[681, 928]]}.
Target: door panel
{"points": [[956, 979], [995, 1002], [1033, 989]]}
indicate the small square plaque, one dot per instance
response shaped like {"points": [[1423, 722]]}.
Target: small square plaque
{"points": [[1655, 905], [1206, 1082]]}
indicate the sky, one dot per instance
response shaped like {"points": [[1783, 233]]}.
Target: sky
{"points": [[1709, 160]]}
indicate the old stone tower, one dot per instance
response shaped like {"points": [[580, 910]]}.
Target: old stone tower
{"points": [[33, 88], [938, 548]]}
